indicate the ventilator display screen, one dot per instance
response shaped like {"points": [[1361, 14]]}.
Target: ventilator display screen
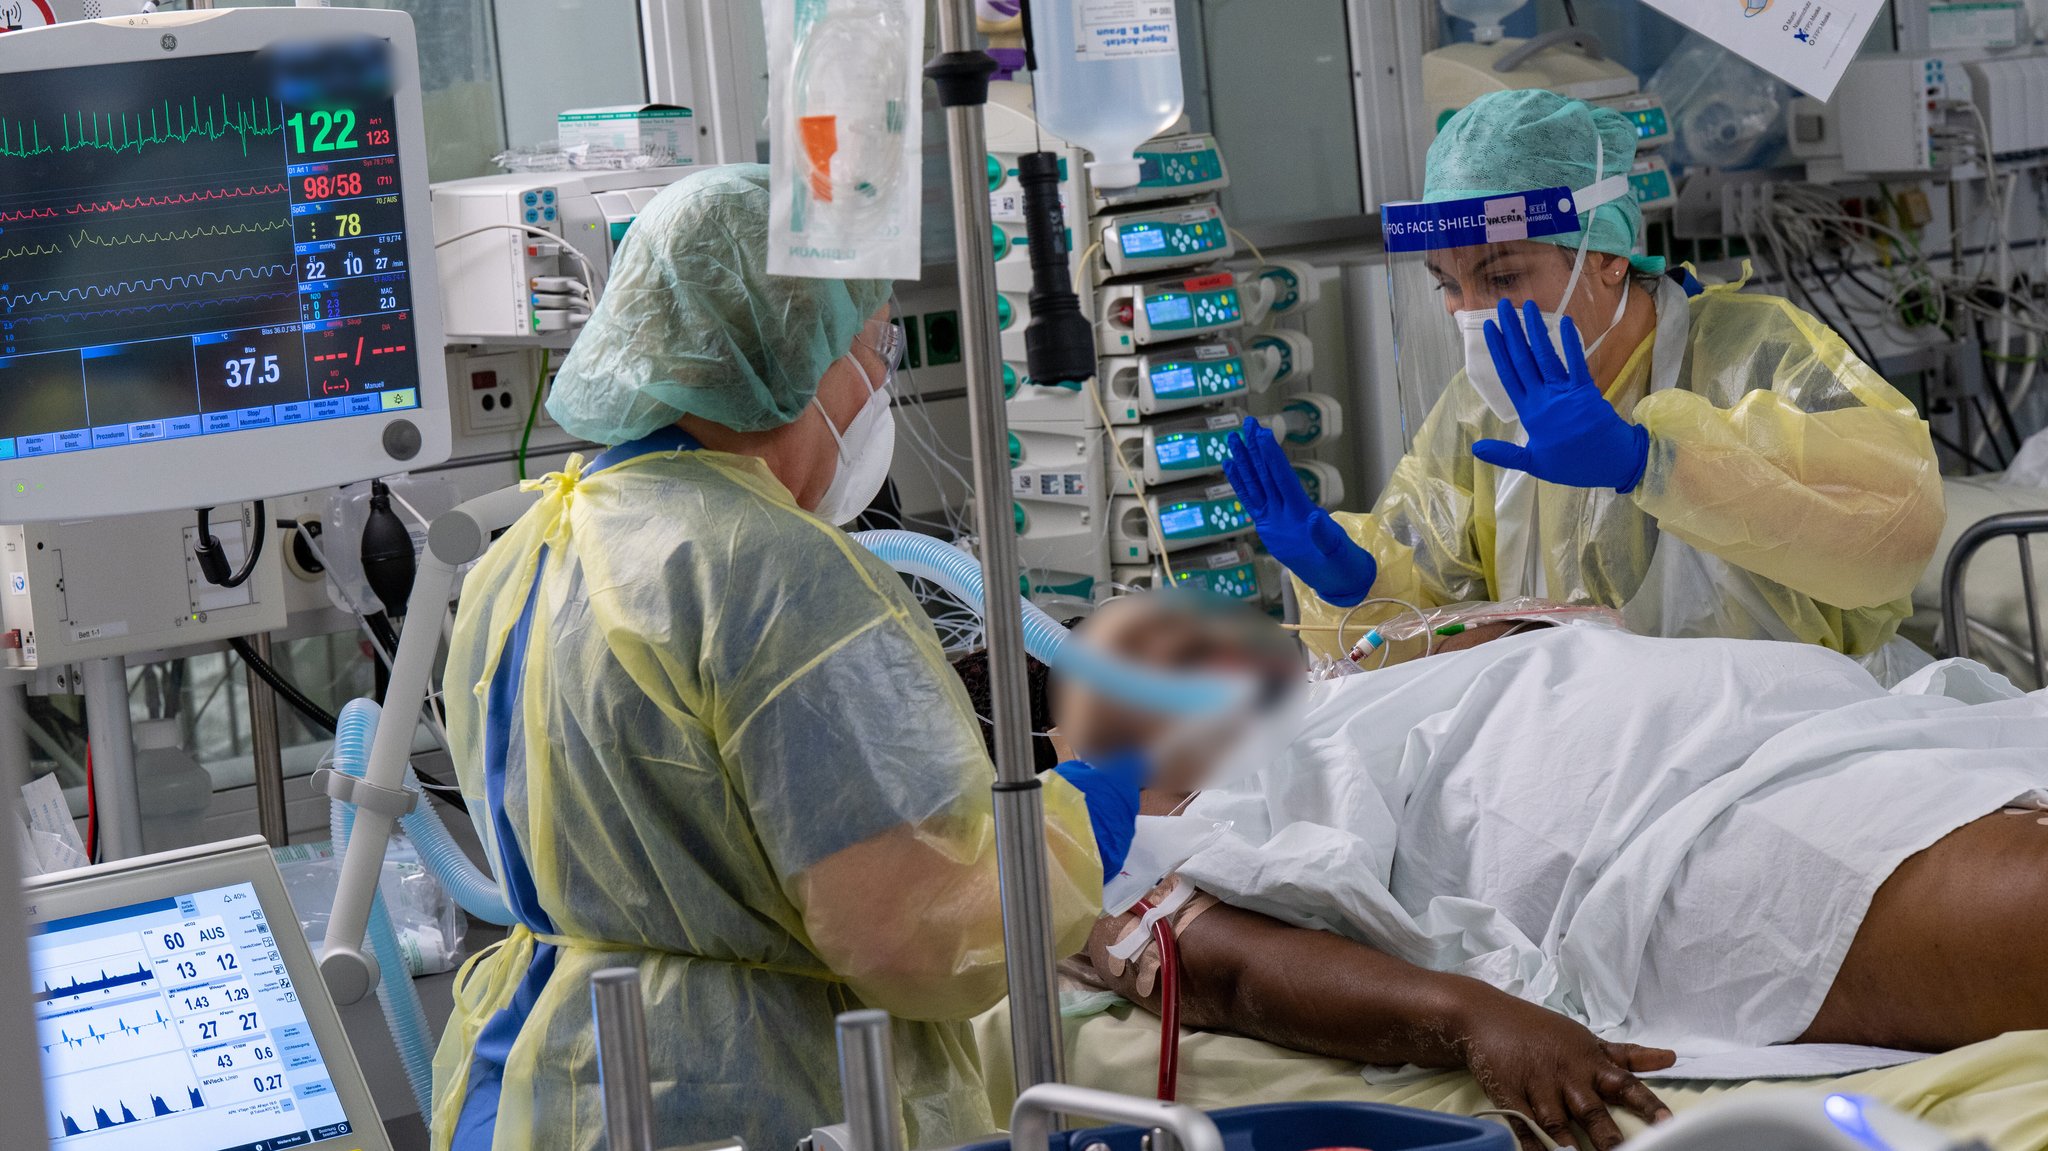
{"points": [[172, 1025], [201, 246]]}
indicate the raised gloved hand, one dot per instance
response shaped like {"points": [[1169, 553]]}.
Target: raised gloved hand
{"points": [[1300, 534], [1575, 436], [1110, 785]]}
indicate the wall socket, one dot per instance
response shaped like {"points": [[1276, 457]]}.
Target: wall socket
{"points": [[492, 390]]}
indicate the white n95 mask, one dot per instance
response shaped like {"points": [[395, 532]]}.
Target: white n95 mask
{"points": [[865, 452], [1479, 365]]}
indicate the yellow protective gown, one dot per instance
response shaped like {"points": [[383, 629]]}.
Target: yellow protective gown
{"points": [[1804, 487], [741, 765]]}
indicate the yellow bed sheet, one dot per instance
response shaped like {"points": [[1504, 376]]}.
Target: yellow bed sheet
{"points": [[1996, 1091]]}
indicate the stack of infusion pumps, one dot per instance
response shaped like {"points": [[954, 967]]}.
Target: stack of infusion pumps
{"points": [[1121, 481]]}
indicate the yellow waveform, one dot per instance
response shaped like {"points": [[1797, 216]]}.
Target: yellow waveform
{"points": [[87, 238]]}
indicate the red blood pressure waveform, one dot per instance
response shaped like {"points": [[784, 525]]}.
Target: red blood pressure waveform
{"points": [[130, 203]]}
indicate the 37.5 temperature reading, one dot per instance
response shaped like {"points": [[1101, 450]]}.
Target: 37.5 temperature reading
{"points": [[243, 373]]}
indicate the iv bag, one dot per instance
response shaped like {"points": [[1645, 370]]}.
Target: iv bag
{"points": [[845, 137], [1108, 78]]}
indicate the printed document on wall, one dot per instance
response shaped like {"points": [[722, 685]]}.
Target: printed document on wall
{"points": [[1806, 43]]}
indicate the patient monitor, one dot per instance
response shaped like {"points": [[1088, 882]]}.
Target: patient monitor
{"points": [[216, 261], [178, 1009]]}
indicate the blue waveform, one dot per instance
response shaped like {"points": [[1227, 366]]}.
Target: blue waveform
{"points": [[141, 974], [66, 1039], [141, 309], [150, 284], [157, 1109]]}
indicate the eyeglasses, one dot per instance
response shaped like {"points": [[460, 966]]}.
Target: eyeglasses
{"points": [[886, 340]]}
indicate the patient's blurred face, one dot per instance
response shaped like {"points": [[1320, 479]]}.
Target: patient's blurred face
{"points": [[1171, 632]]}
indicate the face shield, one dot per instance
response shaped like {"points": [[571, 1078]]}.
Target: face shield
{"points": [[1451, 263]]}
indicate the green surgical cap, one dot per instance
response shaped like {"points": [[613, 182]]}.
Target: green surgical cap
{"points": [[1508, 142], [691, 323]]}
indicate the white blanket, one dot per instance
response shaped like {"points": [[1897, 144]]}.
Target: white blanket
{"points": [[1672, 841]]}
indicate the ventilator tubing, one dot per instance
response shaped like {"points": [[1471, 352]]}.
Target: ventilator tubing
{"points": [[475, 892], [472, 890], [403, 1014], [1047, 641]]}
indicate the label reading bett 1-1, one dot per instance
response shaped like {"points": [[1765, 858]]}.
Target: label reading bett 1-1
{"points": [[1124, 29]]}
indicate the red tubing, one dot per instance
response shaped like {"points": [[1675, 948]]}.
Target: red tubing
{"points": [[1169, 1010], [1169, 1004]]}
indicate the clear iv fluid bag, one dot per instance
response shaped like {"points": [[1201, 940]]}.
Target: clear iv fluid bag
{"points": [[1108, 78]]}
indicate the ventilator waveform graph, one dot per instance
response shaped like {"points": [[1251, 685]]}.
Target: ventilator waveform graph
{"points": [[132, 1092], [157, 1107], [88, 1033], [141, 974], [182, 122], [132, 1029]]}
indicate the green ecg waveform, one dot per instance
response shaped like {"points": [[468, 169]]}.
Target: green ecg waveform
{"points": [[87, 238], [166, 124]]}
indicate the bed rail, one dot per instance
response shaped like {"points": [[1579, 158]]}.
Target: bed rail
{"points": [[1955, 628]]}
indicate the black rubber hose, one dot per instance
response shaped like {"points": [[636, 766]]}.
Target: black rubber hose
{"points": [[312, 712]]}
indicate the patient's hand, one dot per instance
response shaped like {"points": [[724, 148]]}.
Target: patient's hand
{"points": [[1314, 991], [1530, 1059]]}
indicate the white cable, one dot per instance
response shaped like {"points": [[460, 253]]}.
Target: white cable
{"points": [[589, 269], [407, 505]]}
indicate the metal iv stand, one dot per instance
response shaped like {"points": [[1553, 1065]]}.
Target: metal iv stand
{"points": [[961, 71]]}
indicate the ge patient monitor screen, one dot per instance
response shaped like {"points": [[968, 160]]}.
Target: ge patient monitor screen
{"points": [[173, 1024], [200, 246]]}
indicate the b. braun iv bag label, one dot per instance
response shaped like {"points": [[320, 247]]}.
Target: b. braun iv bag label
{"points": [[1124, 29]]}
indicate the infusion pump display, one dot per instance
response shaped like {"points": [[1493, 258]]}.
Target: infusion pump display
{"points": [[173, 1024], [198, 247]]}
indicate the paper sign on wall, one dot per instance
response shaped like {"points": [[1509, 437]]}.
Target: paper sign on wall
{"points": [[1806, 43]]}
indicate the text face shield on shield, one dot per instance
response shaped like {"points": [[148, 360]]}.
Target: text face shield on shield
{"points": [[1448, 265]]}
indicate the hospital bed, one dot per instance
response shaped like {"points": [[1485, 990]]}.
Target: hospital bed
{"points": [[1995, 1091], [1992, 581]]}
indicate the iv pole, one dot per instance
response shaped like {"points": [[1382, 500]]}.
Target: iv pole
{"points": [[961, 71]]}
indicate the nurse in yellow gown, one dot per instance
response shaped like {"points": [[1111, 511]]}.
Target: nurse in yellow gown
{"points": [[710, 737], [1781, 490]]}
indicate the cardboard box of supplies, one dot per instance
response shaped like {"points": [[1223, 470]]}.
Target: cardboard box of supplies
{"points": [[646, 129]]}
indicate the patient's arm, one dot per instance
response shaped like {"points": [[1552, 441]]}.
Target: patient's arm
{"points": [[1313, 991]]}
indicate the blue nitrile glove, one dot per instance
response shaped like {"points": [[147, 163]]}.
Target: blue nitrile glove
{"points": [[1576, 438], [1299, 533], [1110, 785]]}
